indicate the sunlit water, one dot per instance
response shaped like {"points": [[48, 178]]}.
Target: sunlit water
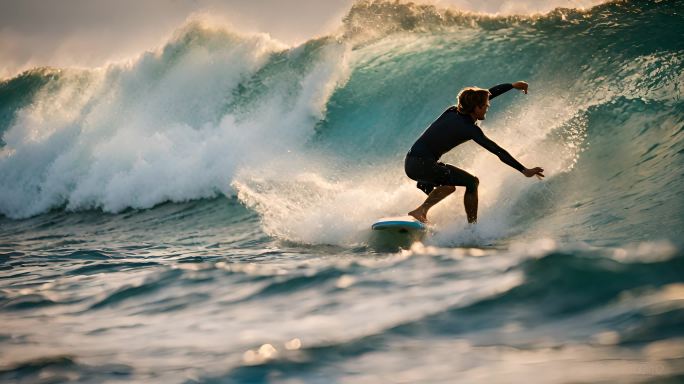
{"points": [[203, 213]]}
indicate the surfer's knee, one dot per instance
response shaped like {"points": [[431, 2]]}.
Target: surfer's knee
{"points": [[472, 184]]}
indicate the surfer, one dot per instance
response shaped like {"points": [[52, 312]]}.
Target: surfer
{"points": [[455, 126]]}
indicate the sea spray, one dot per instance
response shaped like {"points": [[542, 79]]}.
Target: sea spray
{"points": [[166, 127], [215, 112]]}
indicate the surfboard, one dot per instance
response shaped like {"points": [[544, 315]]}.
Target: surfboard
{"points": [[399, 224], [393, 233]]}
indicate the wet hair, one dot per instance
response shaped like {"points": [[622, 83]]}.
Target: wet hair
{"points": [[471, 97]]}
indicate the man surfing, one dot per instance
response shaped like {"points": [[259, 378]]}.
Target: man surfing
{"points": [[455, 126]]}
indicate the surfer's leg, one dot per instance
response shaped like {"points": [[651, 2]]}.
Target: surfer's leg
{"points": [[437, 195], [470, 200], [445, 178], [459, 177]]}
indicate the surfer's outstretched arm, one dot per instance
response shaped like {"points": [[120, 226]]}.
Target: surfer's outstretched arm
{"points": [[494, 148], [503, 88], [504, 156]]}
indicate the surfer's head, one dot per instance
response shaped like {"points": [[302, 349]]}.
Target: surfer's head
{"points": [[473, 101]]}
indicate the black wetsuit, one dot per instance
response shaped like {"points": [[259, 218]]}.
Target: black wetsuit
{"points": [[449, 130]]}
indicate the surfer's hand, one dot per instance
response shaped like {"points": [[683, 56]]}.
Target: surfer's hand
{"points": [[529, 172], [521, 85]]}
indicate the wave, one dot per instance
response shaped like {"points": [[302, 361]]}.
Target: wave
{"points": [[316, 133], [134, 136]]}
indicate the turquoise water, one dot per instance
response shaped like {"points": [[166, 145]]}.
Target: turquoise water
{"points": [[202, 213]]}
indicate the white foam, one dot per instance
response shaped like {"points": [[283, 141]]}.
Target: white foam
{"points": [[138, 135]]}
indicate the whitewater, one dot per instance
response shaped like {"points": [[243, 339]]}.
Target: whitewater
{"points": [[202, 213]]}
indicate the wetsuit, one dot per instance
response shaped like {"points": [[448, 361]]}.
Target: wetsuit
{"points": [[449, 130]]}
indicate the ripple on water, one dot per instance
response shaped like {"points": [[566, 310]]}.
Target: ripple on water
{"points": [[62, 368]]}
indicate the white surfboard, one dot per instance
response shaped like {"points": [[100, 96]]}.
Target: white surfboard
{"points": [[399, 224]]}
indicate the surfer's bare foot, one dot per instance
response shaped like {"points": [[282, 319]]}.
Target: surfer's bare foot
{"points": [[419, 215]]}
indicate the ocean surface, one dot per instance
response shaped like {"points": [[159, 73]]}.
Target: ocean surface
{"points": [[202, 213]]}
